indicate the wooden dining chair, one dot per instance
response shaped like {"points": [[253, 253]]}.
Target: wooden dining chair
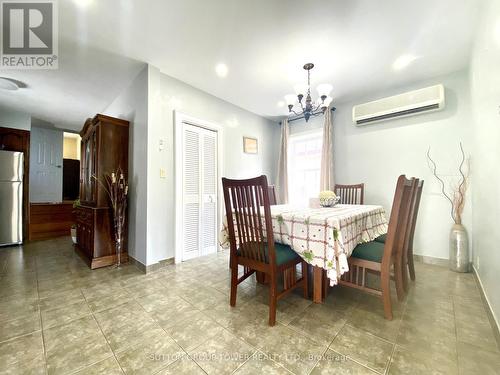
{"points": [[376, 257], [408, 255], [408, 258], [252, 243], [272, 195], [350, 194]]}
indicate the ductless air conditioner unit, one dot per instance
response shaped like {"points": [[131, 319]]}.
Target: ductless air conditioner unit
{"points": [[408, 104]]}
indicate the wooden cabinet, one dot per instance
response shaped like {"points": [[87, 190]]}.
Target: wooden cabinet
{"points": [[104, 149], [49, 220]]}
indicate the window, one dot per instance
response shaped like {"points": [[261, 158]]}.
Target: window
{"points": [[304, 164]]}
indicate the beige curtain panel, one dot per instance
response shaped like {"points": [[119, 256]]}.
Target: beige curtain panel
{"points": [[326, 173], [282, 177]]}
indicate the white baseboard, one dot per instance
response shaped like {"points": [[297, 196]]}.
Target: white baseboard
{"points": [[490, 312], [431, 260], [152, 267]]}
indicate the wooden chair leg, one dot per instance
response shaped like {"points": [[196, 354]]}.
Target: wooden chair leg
{"points": [[325, 284], [404, 273], [305, 277], [386, 295], [398, 277], [273, 296], [411, 266], [234, 284]]}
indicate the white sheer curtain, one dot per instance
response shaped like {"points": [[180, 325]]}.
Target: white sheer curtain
{"points": [[282, 177], [326, 176]]}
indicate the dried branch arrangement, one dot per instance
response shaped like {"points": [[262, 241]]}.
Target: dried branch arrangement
{"points": [[115, 185], [458, 191]]}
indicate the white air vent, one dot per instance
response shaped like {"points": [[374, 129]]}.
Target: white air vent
{"points": [[408, 104]]}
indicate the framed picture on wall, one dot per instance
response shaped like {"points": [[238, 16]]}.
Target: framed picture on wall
{"points": [[250, 145]]}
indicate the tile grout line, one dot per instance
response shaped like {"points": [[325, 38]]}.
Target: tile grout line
{"points": [[91, 313], [168, 335], [243, 363], [40, 317], [456, 331], [105, 338], [205, 312], [370, 334], [405, 307], [348, 356], [256, 349]]}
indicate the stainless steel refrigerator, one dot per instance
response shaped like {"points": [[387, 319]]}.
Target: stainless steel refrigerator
{"points": [[11, 197]]}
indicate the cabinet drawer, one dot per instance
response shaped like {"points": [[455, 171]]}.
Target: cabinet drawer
{"points": [[84, 216], [85, 238], [85, 230]]}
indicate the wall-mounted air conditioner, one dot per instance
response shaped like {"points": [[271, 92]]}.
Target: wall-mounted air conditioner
{"points": [[408, 104]]}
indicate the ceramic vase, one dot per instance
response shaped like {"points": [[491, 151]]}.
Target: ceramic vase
{"points": [[459, 249]]}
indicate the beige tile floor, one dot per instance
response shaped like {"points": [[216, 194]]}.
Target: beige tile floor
{"points": [[58, 317]]}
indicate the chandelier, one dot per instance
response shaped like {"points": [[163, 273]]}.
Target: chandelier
{"points": [[298, 106]]}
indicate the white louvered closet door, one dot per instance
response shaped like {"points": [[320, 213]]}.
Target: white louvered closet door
{"points": [[209, 192], [199, 191]]}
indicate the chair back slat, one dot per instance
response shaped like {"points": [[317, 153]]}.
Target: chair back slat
{"points": [[272, 195], [414, 213], [232, 202], [350, 194], [249, 219], [398, 222], [409, 219]]}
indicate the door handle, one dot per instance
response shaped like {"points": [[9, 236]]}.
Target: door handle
{"points": [[58, 166]]}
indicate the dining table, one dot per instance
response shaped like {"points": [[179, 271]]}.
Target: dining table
{"points": [[324, 237]]}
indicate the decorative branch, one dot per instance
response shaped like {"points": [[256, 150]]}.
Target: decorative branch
{"points": [[443, 191], [462, 187], [116, 187], [457, 197]]}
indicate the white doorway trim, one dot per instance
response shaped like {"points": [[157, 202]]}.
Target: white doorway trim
{"points": [[180, 119]]}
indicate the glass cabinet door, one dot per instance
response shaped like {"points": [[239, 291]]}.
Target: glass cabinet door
{"points": [[93, 167], [88, 170]]}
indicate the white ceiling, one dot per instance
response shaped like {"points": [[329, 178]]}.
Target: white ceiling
{"points": [[264, 44]]}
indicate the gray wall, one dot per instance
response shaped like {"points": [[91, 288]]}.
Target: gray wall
{"points": [[485, 88], [14, 119], [377, 154], [168, 94], [149, 104], [132, 105]]}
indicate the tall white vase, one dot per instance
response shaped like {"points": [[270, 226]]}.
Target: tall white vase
{"points": [[459, 249]]}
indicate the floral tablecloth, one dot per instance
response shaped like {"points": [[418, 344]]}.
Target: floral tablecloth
{"points": [[324, 237]]}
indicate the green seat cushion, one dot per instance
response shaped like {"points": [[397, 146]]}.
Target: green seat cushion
{"points": [[372, 251], [381, 238], [284, 253]]}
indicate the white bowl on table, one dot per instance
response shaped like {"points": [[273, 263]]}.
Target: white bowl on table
{"points": [[329, 202]]}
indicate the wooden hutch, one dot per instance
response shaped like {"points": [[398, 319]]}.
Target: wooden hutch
{"points": [[104, 149]]}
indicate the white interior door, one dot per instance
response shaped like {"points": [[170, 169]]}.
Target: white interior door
{"points": [[46, 159], [209, 192], [199, 191]]}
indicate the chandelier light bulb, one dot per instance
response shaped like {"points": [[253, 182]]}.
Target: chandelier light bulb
{"points": [[327, 101], [303, 104], [324, 89], [300, 89], [290, 99]]}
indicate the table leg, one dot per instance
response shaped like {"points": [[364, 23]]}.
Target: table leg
{"points": [[318, 285]]}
